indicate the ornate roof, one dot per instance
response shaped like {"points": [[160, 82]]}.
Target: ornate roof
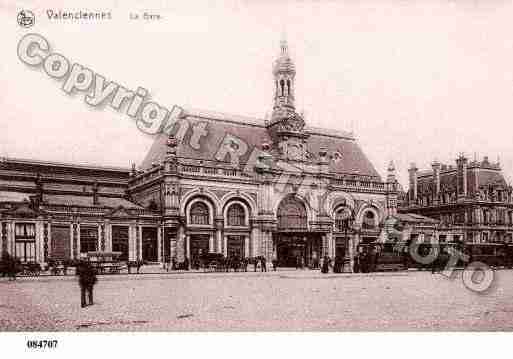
{"points": [[346, 155]]}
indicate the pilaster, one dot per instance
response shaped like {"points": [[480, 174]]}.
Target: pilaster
{"points": [[160, 245]]}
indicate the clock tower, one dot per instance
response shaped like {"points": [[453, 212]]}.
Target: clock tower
{"points": [[286, 125]]}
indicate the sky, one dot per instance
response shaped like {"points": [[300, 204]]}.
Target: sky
{"points": [[415, 80]]}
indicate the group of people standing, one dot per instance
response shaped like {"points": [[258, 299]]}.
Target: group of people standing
{"points": [[362, 263]]}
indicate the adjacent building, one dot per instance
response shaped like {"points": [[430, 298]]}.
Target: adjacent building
{"points": [[469, 197]]}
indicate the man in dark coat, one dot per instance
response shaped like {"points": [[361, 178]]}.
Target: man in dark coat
{"points": [[325, 264], [263, 264], [86, 279], [356, 265]]}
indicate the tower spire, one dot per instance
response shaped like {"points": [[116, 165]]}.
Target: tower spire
{"points": [[284, 47], [284, 73]]}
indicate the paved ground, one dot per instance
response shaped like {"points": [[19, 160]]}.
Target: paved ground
{"points": [[285, 300]]}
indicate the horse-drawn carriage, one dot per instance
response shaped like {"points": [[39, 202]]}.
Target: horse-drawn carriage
{"points": [[106, 262], [11, 266], [380, 257]]}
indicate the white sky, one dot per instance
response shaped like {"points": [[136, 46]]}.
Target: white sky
{"points": [[418, 79]]}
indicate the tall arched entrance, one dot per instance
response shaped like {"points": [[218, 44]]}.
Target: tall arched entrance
{"points": [[293, 245]]}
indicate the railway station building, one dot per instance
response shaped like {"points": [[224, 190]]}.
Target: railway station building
{"points": [[212, 182]]}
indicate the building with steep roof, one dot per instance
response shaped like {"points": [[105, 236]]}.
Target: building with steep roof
{"points": [[472, 197], [211, 183]]}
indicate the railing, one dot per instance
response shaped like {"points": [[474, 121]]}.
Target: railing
{"points": [[191, 169], [214, 171], [358, 183]]}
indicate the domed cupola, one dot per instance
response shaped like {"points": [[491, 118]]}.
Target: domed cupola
{"points": [[284, 72], [286, 127]]}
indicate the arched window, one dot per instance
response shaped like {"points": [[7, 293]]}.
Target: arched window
{"points": [[236, 215], [292, 214], [199, 213], [369, 220]]}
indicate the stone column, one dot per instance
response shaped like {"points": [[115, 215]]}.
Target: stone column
{"points": [[211, 245], [131, 244], [246, 246], [188, 246], [138, 240], [330, 240], [269, 252], [356, 238], [225, 245], [351, 252], [217, 241], [108, 235], [172, 242], [180, 243], [254, 242], [160, 244], [76, 240]]}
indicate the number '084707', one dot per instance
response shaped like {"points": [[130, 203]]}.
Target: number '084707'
{"points": [[42, 344]]}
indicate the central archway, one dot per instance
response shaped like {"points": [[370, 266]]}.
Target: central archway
{"points": [[292, 215], [294, 245]]}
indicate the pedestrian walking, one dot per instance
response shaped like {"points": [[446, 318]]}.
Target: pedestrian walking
{"points": [[263, 264], [325, 265], [86, 279], [356, 264]]}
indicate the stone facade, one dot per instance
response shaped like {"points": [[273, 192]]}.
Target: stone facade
{"points": [[211, 182], [470, 197]]}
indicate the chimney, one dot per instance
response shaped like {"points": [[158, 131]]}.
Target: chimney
{"points": [[461, 163], [436, 179], [413, 183], [391, 190]]}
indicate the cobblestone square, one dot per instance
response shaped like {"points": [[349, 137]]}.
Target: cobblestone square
{"points": [[273, 301]]}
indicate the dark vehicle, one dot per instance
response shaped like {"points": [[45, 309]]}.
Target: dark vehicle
{"points": [[10, 266], [429, 256], [493, 254], [381, 257], [213, 262]]}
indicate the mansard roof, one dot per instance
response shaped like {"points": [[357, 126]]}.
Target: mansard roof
{"points": [[477, 176], [347, 156], [35, 164], [87, 201]]}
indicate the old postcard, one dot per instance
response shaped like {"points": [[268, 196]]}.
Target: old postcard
{"points": [[255, 166]]}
